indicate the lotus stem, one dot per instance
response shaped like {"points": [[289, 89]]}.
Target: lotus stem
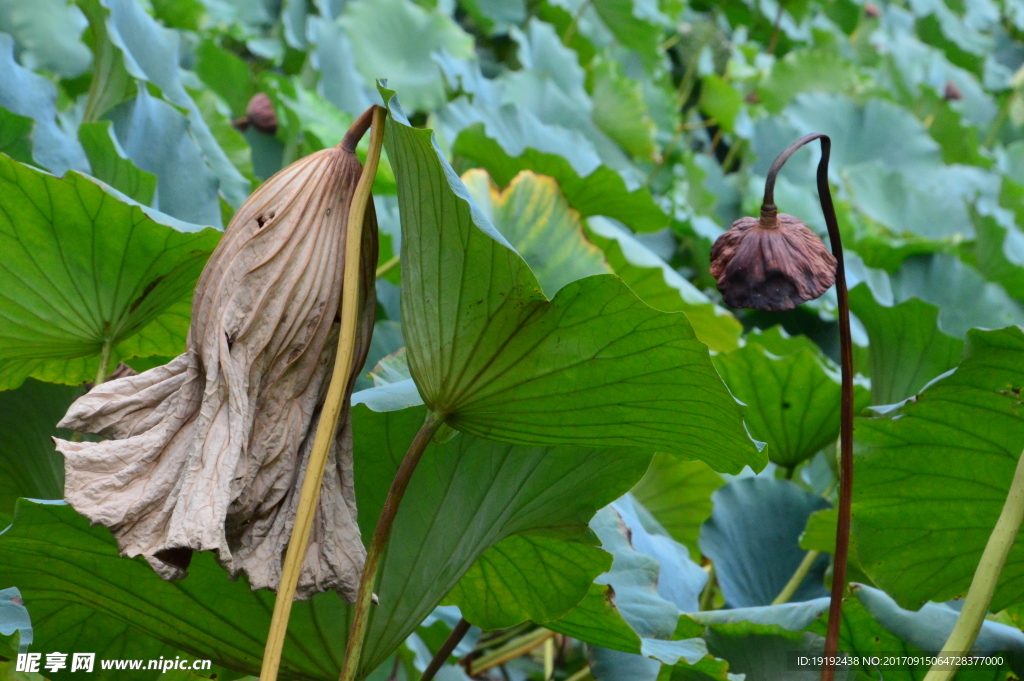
{"points": [[446, 649], [381, 534], [797, 579], [769, 210], [979, 596], [513, 649], [101, 371], [334, 401], [389, 265]]}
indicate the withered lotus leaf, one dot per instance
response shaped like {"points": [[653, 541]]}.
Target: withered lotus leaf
{"points": [[773, 263], [207, 453]]}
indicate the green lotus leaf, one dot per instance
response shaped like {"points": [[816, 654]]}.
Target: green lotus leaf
{"points": [[533, 216], [793, 400], [500, 360], [29, 465], [933, 475], [678, 495], [662, 287], [81, 269]]}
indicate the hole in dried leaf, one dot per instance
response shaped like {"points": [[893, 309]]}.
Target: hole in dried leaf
{"points": [[179, 558]]}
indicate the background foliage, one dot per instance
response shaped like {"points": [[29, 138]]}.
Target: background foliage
{"points": [[594, 137]]}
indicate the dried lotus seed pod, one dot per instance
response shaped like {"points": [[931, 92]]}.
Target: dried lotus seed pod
{"points": [[207, 453], [773, 263]]}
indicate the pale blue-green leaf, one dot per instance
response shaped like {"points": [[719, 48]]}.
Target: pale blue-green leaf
{"points": [[394, 39], [48, 35], [158, 138], [28, 94], [332, 56], [111, 165], [753, 539], [14, 617], [607, 664], [964, 298], [151, 52], [787, 616], [929, 627]]}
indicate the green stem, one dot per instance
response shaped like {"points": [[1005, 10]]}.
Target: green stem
{"points": [[979, 596], [797, 579], [101, 371], [388, 266], [707, 596], [1004, 110], [361, 608]]}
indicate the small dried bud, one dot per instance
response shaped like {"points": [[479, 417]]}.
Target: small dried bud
{"points": [[208, 451], [774, 263], [259, 114], [871, 10], [952, 93]]}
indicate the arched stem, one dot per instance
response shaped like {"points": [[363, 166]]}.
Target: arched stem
{"points": [[768, 212]]}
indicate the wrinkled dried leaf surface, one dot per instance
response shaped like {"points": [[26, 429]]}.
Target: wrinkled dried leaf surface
{"points": [[207, 453]]}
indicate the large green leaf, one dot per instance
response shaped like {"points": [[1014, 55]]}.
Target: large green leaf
{"points": [[110, 165], [16, 136], [498, 359], [678, 494], [907, 349], [527, 577], [932, 477], [792, 395], [80, 268], [83, 596], [536, 220], [467, 495], [29, 465], [662, 287]]}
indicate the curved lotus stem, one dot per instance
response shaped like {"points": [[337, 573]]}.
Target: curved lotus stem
{"points": [[768, 210]]}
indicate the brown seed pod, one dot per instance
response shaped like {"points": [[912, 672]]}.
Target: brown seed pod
{"points": [[773, 263], [259, 114], [208, 452], [952, 93]]}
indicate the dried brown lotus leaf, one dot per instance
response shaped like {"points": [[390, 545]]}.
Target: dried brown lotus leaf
{"points": [[207, 452], [772, 263]]}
